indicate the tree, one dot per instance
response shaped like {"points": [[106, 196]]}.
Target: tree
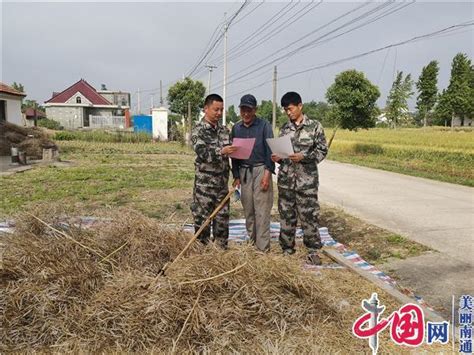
{"points": [[31, 104], [353, 99], [265, 111], [318, 111], [397, 101], [461, 88], [427, 86], [19, 87], [442, 112], [231, 115], [183, 92]]}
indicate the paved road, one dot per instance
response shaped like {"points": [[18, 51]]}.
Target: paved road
{"points": [[436, 214]]}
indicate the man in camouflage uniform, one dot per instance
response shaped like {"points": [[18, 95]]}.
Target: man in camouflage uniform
{"points": [[298, 178], [212, 146]]}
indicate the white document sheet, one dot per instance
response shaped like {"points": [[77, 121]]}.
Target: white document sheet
{"points": [[281, 146]]}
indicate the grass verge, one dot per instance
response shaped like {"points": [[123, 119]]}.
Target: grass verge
{"points": [[434, 154]]}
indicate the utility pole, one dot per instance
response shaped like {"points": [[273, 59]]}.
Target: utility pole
{"points": [[211, 68], [274, 112], [226, 27], [151, 101], [161, 94], [138, 101]]}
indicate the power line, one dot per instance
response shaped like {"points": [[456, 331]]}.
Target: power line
{"points": [[383, 66], [271, 21], [439, 33], [213, 47], [315, 41], [248, 13], [218, 39], [369, 21], [249, 37], [272, 34]]}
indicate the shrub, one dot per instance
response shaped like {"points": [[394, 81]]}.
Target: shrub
{"points": [[103, 136], [50, 124]]}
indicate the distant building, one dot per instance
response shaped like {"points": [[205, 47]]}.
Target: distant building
{"points": [[29, 115], [80, 105], [10, 104], [457, 122]]}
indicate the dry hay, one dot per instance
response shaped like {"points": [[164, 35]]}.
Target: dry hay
{"points": [[31, 140], [63, 296]]}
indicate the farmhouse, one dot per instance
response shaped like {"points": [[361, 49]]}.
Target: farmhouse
{"points": [[81, 105], [10, 104]]}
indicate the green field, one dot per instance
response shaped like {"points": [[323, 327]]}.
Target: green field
{"points": [[437, 154], [157, 180], [106, 175]]}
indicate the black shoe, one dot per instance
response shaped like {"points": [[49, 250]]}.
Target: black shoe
{"points": [[313, 259], [287, 252]]}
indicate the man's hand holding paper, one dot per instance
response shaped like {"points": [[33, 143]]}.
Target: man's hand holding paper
{"points": [[281, 146], [244, 148]]}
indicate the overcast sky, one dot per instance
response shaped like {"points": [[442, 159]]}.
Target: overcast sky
{"points": [[129, 46]]}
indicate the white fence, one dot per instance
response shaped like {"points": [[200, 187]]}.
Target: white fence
{"points": [[106, 121]]}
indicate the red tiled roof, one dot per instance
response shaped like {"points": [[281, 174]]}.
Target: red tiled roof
{"points": [[9, 90], [85, 89]]}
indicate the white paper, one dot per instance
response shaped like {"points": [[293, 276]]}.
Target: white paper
{"points": [[281, 146]]}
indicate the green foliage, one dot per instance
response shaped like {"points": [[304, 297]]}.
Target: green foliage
{"points": [[31, 104], [19, 87], [443, 110], [175, 128], [265, 111], [231, 115], [353, 98], [396, 110], [50, 124], [319, 111], [102, 136], [427, 86], [183, 92], [458, 98]]}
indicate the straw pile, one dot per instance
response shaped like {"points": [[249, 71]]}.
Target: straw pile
{"points": [[31, 140], [98, 290]]}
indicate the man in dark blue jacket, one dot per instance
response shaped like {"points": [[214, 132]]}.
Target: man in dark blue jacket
{"points": [[254, 175]]}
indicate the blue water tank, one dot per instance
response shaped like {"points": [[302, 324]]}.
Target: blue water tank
{"points": [[142, 123]]}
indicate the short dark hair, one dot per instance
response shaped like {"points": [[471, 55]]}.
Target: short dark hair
{"points": [[211, 98], [291, 98]]}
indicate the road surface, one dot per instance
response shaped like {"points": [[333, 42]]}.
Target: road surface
{"points": [[439, 215]]}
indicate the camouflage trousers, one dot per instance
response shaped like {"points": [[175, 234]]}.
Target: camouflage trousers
{"points": [[299, 205], [205, 200]]}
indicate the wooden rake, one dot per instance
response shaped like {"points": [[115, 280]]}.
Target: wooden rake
{"points": [[198, 233]]}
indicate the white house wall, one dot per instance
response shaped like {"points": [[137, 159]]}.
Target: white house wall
{"points": [[68, 116], [101, 111], [13, 109], [160, 123]]}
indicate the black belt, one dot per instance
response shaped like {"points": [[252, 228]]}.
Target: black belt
{"points": [[248, 167]]}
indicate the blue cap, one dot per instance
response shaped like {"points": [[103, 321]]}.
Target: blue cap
{"points": [[248, 101]]}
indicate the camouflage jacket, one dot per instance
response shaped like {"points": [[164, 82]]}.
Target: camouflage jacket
{"points": [[211, 168], [309, 139]]}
